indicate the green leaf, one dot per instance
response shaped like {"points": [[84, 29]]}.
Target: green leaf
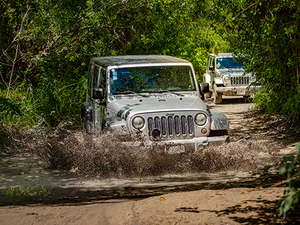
{"points": [[298, 149], [286, 205], [282, 170]]}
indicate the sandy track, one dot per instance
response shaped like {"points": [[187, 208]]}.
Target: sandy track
{"points": [[229, 206]]}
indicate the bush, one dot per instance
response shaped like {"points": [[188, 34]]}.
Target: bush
{"points": [[269, 100], [291, 197], [8, 107]]}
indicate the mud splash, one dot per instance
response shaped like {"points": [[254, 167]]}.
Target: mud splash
{"points": [[106, 157]]}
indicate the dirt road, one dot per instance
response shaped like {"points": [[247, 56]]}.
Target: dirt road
{"points": [[250, 201]]}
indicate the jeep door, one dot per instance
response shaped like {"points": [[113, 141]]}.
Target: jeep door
{"points": [[101, 108], [99, 105], [93, 110], [210, 71]]}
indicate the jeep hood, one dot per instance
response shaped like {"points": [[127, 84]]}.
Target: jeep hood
{"points": [[232, 72], [158, 103]]}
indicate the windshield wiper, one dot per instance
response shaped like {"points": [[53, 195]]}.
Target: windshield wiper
{"points": [[131, 92]]}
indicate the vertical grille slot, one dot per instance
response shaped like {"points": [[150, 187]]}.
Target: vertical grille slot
{"points": [[183, 125], [164, 126], [177, 125], [172, 125], [150, 125], [190, 124], [157, 123]]}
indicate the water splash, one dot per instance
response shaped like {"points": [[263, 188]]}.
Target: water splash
{"points": [[105, 156]]}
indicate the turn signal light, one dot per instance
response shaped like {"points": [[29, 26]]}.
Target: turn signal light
{"points": [[204, 131]]}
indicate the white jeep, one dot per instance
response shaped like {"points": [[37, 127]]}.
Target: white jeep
{"points": [[227, 77], [156, 95]]}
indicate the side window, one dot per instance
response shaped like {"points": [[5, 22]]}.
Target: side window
{"points": [[96, 76], [208, 64], [102, 82], [90, 79], [212, 62]]}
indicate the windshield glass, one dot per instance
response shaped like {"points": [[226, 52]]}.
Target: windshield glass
{"points": [[226, 63], [151, 79]]}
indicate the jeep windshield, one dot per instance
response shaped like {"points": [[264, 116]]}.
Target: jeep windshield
{"points": [[227, 63], [157, 79]]}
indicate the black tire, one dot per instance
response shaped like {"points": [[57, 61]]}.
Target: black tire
{"points": [[214, 133], [202, 96], [83, 122], [86, 123], [208, 95], [217, 97]]}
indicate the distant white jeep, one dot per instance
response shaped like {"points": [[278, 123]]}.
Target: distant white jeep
{"points": [[227, 77], [155, 95]]}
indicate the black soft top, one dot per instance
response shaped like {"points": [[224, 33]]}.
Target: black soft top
{"points": [[136, 59]]}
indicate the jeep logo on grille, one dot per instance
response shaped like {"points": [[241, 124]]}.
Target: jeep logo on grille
{"points": [[170, 114]]}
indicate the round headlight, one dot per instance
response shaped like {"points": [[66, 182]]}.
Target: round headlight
{"points": [[138, 122], [226, 79], [200, 119]]}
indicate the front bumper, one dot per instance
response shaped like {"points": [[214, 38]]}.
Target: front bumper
{"points": [[194, 144], [180, 146], [238, 91]]}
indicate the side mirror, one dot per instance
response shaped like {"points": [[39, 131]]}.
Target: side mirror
{"points": [[211, 68], [98, 93], [204, 88]]}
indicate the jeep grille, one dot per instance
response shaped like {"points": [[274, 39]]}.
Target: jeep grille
{"points": [[172, 125], [240, 81]]}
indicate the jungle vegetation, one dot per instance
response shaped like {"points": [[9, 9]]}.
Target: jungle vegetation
{"points": [[46, 45]]}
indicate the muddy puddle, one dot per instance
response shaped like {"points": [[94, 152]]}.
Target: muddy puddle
{"points": [[67, 162], [75, 167]]}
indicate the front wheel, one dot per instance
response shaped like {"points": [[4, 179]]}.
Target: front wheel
{"points": [[217, 96], [246, 98], [203, 97], [208, 95], [84, 129], [83, 122], [86, 122]]}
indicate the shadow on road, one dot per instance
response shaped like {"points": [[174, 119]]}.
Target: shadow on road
{"points": [[267, 214], [75, 196]]}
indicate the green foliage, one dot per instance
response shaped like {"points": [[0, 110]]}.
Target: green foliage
{"points": [[46, 47], [9, 108], [26, 191], [18, 106], [58, 96], [291, 197], [291, 108], [269, 101]]}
